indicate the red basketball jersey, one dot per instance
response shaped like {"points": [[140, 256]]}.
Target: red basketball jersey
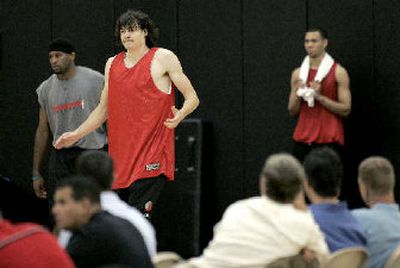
{"points": [[317, 124], [139, 143]]}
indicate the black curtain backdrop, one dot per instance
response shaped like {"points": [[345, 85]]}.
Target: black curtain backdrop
{"points": [[239, 55]]}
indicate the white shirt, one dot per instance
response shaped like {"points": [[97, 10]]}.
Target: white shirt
{"points": [[257, 231], [114, 205]]}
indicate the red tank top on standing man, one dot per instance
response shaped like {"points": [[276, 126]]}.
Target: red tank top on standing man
{"points": [[317, 124], [139, 143]]}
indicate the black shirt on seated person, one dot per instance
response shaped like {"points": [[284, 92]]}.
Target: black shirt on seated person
{"points": [[108, 240]]}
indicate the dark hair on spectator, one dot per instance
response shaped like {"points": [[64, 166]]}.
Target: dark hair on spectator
{"points": [[283, 177], [377, 174], [324, 171], [82, 187], [322, 32], [97, 165], [134, 18]]}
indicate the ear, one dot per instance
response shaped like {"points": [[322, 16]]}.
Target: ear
{"points": [[262, 181], [145, 32], [307, 188], [325, 43], [306, 185], [363, 191], [73, 56], [85, 205]]}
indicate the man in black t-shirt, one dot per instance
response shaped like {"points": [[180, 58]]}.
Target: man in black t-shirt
{"points": [[99, 238]]}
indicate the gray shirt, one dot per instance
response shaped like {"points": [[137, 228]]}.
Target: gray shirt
{"points": [[68, 103]]}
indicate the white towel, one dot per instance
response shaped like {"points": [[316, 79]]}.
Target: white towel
{"points": [[308, 93]]}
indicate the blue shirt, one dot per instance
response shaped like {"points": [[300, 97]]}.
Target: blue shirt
{"points": [[340, 228], [382, 229]]}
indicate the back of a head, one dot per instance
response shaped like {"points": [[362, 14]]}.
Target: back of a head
{"points": [[324, 171], [97, 165], [81, 188], [377, 174], [283, 177]]}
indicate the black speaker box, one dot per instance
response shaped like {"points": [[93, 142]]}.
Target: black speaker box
{"points": [[183, 216]]}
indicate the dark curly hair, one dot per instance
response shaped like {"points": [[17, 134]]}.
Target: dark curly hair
{"points": [[136, 18]]}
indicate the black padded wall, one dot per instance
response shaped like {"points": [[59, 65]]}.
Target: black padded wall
{"points": [[211, 53], [239, 55], [273, 47], [387, 93], [25, 36], [89, 25], [164, 14], [351, 43]]}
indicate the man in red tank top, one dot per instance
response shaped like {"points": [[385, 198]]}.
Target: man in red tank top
{"points": [[138, 102], [321, 124]]}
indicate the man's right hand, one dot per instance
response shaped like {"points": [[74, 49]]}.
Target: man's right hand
{"points": [[65, 140], [40, 190], [308, 255], [300, 84]]}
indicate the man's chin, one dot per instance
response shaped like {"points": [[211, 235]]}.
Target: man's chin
{"points": [[60, 225]]}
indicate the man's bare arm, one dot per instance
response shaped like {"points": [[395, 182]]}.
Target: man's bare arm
{"points": [[181, 81], [294, 101], [341, 107], [40, 148]]}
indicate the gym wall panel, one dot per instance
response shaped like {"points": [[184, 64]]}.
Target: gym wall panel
{"points": [[25, 36], [89, 25], [350, 33], [209, 41], [387, 93], [2, 95], [273, 46]]}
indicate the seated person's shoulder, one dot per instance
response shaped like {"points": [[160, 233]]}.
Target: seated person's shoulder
{"points": [[109, 224], [363, 213]]}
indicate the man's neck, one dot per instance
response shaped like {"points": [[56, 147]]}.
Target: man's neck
{"points": [[324, 200], [135, 54], [95, 209], [316, 61], [383, 199], [68, 74]]}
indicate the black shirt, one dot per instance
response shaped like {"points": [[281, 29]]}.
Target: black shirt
{"points": [[108, 240]]}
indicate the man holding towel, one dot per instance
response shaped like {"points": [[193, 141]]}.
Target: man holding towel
{"points": [[320, 96]]}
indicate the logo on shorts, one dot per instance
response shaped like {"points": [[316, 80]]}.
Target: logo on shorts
{"points": [[154, 166]]}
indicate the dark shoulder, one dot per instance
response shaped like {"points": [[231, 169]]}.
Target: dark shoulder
{"points": [[107, 223]]}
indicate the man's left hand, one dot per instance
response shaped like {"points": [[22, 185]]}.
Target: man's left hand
{"points": [[173, 122], [316, 86]]}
